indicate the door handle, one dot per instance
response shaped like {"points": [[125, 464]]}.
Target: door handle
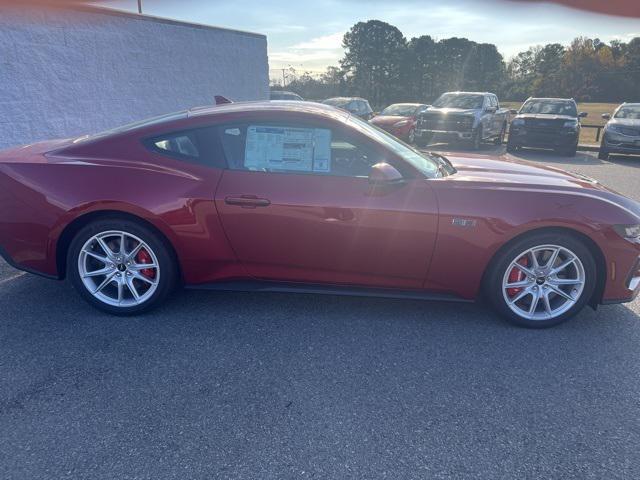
{"points": [[247, 201]]}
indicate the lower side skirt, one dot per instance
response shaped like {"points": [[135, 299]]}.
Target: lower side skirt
{"points": [[349, 291]]}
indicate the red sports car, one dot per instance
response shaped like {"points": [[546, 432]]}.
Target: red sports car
{"points": [[304, 197], [400, 120]]}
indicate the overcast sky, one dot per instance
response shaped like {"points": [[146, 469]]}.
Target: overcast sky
{"points": [[308, 34]]}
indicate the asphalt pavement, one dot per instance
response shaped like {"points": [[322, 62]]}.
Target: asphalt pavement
{"points": [[279, 386]]}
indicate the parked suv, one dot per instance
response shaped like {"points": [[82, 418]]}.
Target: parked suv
{"points": [[471, 117], [356, 105], [552, 123], [622, 131]]}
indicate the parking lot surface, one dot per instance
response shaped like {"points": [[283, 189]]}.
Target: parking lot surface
{"points": [[266, 386]]}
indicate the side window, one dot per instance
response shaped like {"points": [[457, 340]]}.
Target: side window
{"points": [[183, 143], [295, 149], [199, 145]]}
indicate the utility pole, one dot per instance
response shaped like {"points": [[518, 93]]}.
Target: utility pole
{"points": [[284, 78], [139, 6]]}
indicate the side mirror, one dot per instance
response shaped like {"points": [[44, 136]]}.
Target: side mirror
{"points": [[583, 114], [513, 111], [606, 116], [384, 174]]}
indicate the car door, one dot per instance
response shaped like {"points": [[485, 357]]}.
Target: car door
{"points": [[296, 205]]}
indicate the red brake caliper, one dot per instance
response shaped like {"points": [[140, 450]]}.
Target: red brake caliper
{"points": [[142, 258], [517, 275]]}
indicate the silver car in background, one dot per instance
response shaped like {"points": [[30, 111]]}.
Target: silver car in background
{"points": [[622, 131]]}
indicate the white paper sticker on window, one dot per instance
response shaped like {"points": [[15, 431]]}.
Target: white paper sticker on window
{"points": [[288, 148]]}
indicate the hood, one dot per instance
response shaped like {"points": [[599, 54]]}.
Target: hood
{"points": [[544, 116], [506, 171], [388, 119]]}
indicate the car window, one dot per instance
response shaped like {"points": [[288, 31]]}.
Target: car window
{"points": [[182, 144], [459, 100], [630, 112], [199, 145], [550, 107], [282, 148]]}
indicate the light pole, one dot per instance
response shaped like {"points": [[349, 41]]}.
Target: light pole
{"points": [[139, 6]]}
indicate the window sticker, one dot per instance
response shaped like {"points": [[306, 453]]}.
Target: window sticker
{"points": [[288, 148]]}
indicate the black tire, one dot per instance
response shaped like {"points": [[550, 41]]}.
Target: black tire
{"points": [[499, 140], [568, 152], [511, 148], [603, 154], [493, 285], [476, 142], [162, 251]]}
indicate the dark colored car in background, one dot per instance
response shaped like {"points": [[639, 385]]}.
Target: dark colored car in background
{"points": [[355, 105], [622, 131], [550, 123], [284, 95], [297, 196], [469, 117], [400, 119]]}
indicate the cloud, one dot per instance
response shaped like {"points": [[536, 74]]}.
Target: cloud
{"points": [[327, 42]]}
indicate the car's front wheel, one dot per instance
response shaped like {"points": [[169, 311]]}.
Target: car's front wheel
{"points": [[542, 280], [120, 266], [476, 141]]}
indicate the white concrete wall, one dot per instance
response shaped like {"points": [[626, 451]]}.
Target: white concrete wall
{"points": [[67, 73]]}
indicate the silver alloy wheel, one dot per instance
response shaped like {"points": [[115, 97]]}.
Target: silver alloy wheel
{"points": [[119, 269], [543, 282]]}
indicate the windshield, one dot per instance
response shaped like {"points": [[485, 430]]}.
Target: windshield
{"points": [[550, 107], [427, 165], [459, 100], [631, 112], [400, 110]]}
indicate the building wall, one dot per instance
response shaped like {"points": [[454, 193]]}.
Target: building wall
{"points": [[65, 73]]}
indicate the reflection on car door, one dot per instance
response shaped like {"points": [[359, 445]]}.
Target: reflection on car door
{"points": [[289, 216]]}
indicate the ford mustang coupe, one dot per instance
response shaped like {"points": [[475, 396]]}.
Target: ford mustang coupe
{"points": [[297, 196]]}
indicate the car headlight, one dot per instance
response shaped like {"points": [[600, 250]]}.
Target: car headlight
{"points": [[629, 232], [518, 122], [614, 128], [401, 123], [571, 124]]}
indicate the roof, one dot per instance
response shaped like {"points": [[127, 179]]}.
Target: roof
{"points": [[271, 105], [344, 98], [152, 18], [551, 98]]}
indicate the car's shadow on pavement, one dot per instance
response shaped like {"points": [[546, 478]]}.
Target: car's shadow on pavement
{"points": [[248, 378]]}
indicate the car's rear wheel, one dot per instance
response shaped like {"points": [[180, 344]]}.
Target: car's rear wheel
{"points": [[120, 266], [542, 280]]}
